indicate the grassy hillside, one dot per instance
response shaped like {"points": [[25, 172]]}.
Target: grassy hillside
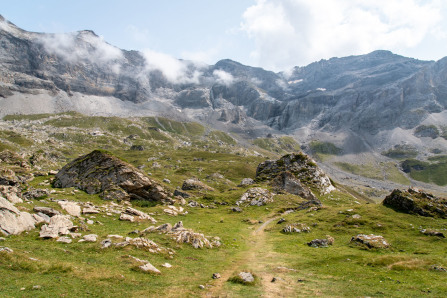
{"points": [[252, 240]]}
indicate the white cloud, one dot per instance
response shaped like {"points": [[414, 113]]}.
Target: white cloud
{"points": [[84, 45], [175, 71], [223, 77], [297, 32]]}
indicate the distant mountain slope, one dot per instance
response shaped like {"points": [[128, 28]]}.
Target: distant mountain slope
{"points": [[366, 102]]}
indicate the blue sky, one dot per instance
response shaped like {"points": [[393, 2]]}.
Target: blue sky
{"points": [[274, 34]]}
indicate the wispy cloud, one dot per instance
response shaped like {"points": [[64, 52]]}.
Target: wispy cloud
{"points": [[176, 71], [297, 32], [223, 77], [84, 45]]}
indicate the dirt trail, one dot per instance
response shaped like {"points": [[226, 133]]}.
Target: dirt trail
{"points": [[260, 260]]}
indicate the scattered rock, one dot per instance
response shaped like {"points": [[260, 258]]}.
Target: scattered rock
{"points": [[438, 268], [2, 239], [127, 217], [246, 277], [201, 287], [195, 184], [11, 193], [35, 194], [47, 211], [281, 220], [296, 228], [165, 180], [319, 243], [370, 241], [64, 239], [183, 235], [216, 276], [106, 243], [414, 201], [255, 197], [181, 194], [59, 225], [431, 232], [90, 210], [98, 172], [193, 204], [166, 265], [140, 214], [13, 221], [246, 182], [236, 209], [89, 238], [148, 267], [6, 249], [37, 287], [72, 208], [356, 216]]}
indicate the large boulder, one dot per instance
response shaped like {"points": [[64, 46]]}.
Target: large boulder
{"points": [[100, 172], [12, 220], [416, 202], [295, 173], [370, 241]]}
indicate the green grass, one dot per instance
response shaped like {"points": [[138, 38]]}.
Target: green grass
{"points": [[342, 270], [381, 171], [401, 152], [426, 171], [281, 145], [327, 148]]}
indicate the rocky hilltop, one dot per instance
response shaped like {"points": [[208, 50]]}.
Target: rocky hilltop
{"points": [[369, 101]]}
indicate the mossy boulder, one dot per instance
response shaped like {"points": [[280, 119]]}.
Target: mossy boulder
{"points": [[101, 172], [414, 201]]}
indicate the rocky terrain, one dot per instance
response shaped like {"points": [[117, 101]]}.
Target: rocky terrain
{"points": [[120, 177], [147, 206]]}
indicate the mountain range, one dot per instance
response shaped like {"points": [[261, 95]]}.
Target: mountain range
{"points": [[362, 104]]}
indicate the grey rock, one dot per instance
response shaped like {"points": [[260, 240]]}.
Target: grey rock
{"points": [[6, 249], [318, 243], [148, 267], [64, 239], [13, 221], [370, 241], [59, 225], [246, 182], [99, 171], [47, 211], [90, 238], [195, 184], [247, 277], [70, 207], [216, 276], [106, 243], [256, 196]]}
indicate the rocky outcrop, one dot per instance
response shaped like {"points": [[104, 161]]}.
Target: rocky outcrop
{"points": [[100, 172], [183, 235], [59, 225], [255, 196], [295, 173], [12, 220], [195, 184], [370, 241], [414, 201]]}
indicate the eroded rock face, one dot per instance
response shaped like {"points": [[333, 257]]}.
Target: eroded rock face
{"points": [[417, 202], [295, 173], [101, 172], [13, 221]]}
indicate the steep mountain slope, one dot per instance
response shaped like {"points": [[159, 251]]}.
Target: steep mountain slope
{"points": [[366, 104]]}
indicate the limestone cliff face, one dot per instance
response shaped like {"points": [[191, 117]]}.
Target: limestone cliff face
{"points": [[357, 95]]}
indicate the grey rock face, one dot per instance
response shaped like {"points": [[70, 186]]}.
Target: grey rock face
{"points": [[99, 172], [59, 225], [13, 221], [295, 173]]}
